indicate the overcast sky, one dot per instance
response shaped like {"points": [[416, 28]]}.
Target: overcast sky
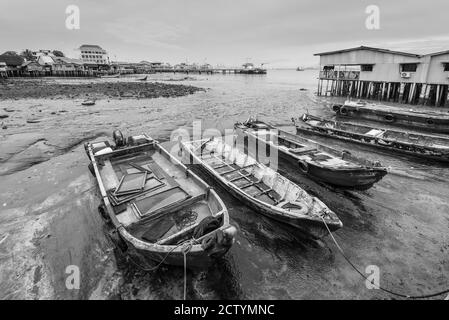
{"points": [[282, 33]]}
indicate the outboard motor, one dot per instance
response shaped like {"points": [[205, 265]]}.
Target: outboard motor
{"points": [[119, 140]]}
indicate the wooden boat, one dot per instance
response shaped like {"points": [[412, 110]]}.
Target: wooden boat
{"points": [[425, 120], [415, 144], [88, 102], [317, 161], [143, 78], [158, 208], [261, 188], [108, 76]]}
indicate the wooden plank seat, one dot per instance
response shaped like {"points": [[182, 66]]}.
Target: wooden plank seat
{"points": [[302, 151]]}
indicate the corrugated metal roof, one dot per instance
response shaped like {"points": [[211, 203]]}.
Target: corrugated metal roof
{"points": [[370, 49]]}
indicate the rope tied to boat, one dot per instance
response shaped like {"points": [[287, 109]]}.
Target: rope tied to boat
{"points": [[185, 250], [372, 282]]}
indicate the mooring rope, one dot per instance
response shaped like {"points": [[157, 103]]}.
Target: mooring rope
{"points": [[379, 287]]}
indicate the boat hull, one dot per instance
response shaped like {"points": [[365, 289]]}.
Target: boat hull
{"points": [[429, 122], [360, 179]]}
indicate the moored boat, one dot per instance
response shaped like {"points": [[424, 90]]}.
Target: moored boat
{"points": [[88, 103], [160, 211], [424, 119], [261, 188], [315, 160], [108, 76], [142, 78], [411, 143]]}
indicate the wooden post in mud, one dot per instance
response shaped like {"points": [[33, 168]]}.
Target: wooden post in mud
{"points": [[447, 99], [327, 87], [389, 91]]}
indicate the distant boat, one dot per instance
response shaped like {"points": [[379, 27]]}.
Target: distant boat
{"points": [[88, 102], [248, 68], [143, 78], [111, 76], [300, 69]]}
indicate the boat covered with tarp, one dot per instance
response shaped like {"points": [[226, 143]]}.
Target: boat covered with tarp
{"points": [[159, 210], [412, 143], [317, 161], [261, 188]]}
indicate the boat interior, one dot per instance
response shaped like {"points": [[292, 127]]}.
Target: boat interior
{"points": [[254, 179], [154, 197]]}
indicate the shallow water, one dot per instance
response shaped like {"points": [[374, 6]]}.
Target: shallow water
{"points": [[48, 204]]}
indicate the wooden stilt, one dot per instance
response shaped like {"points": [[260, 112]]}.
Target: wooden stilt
{"points": [[427, 94], [327, 87], [422, 94], [437, 99], [389, 91], [411, 93]]}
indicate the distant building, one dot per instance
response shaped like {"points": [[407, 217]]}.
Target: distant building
{"points": [[381, 74], [3, 70], [94, 56]]}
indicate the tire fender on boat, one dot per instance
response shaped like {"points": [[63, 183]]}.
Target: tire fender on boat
{"points": [[389, 118], [336, 108], [344, 111], [303, 166]]}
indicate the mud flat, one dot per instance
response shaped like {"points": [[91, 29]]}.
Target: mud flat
{"points": [[48, 88]]}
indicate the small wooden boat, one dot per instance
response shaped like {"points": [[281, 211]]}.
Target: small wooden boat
{"points": [[109, 76], [411, 143], [317, 161], [158, 208], [88, 102], [425, 120], [143, 78], [261, 188]]}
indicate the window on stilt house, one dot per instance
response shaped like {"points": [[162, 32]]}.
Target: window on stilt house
{"points": [[446, 66], [366, 67], [409, 67]]}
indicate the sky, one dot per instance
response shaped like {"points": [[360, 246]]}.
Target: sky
{"points": [[278, 33]]}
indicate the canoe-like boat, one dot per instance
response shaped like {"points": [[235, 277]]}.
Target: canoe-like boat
{"points": [[143, 78], [88, 103], [411, 143], [425, 120], [317, 161], [260, 187], [108, 76], [158, 208]]}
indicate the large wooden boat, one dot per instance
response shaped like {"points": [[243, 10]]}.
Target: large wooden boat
{"points": [[415, 144], [158, 208], [315, 160], [261, 188], [425, 120]]}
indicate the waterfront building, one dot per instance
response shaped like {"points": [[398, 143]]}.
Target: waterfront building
{"points": [[94, 57], [13, 63], [385, 75]]}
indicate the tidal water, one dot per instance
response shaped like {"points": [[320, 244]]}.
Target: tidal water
{"points": [[48, 204]]}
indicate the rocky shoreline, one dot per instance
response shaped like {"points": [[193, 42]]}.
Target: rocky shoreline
{"points": [[43, 88]]}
